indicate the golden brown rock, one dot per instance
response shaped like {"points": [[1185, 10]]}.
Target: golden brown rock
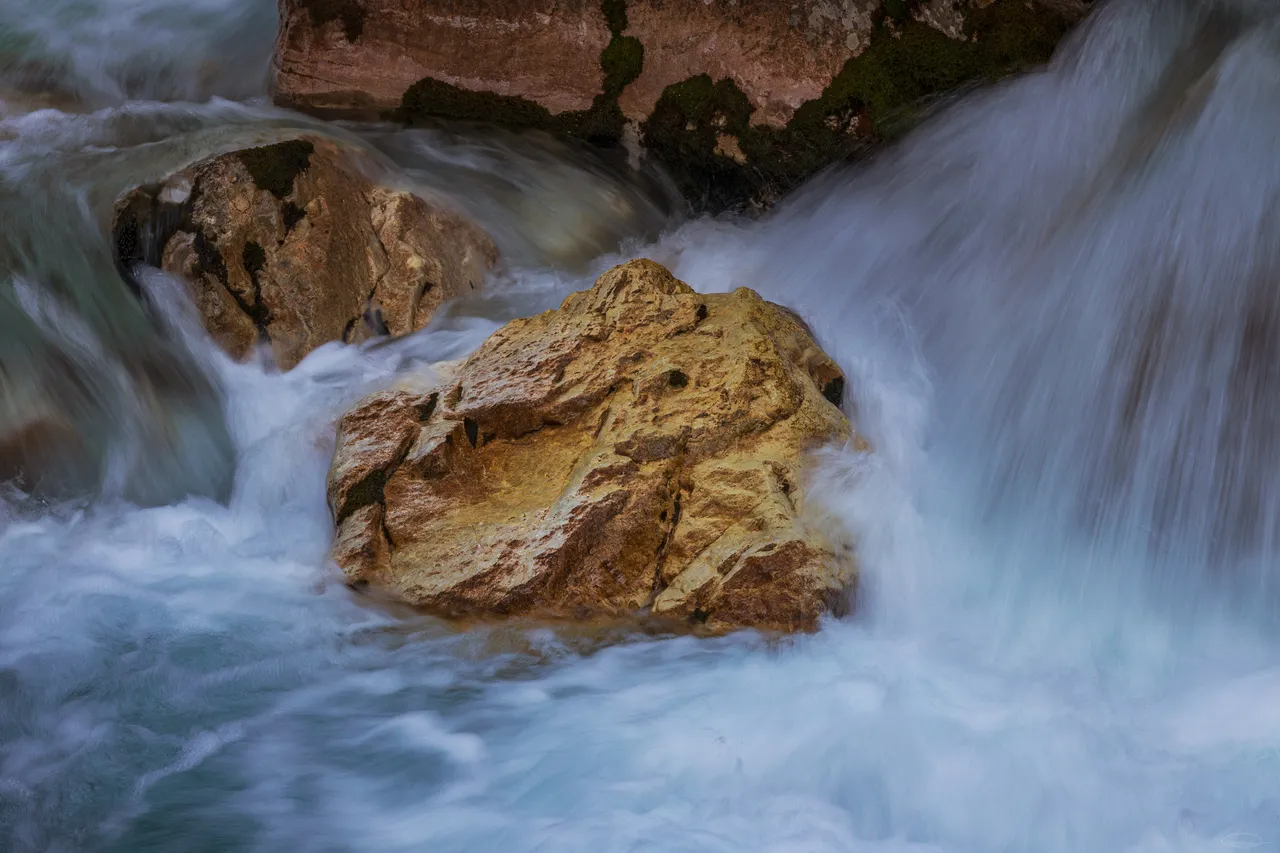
{"points": [[292, 245], [641, 448]]}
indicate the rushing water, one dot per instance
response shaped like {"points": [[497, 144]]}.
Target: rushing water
{"points": [[1058, 304]]}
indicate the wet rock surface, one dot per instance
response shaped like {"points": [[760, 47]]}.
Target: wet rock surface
{"points": [[740, 100], [640, 449], [293, 246]]}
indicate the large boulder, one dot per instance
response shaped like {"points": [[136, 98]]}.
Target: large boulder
{"points": [[740, 100], [641, 448], [292, 245]]}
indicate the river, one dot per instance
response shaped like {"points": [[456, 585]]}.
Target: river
{"points": [[1058, 303]]}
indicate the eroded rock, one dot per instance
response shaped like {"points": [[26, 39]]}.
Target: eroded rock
{"points": [[640, 449], [361, 56], [293, 246], [741, 100]]}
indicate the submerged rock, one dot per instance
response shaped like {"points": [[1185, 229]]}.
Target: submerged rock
{"points": [[639, 449], [142, 425], [41, 448], [740, 100], [292, 246]]}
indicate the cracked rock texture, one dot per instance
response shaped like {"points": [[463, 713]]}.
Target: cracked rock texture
{"points": [[642, 448], [292, 246]]}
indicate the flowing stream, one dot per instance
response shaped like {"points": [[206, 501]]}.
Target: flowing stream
{"points": [[1058, 303]]}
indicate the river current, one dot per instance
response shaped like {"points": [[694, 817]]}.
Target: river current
{"points": [[1058, 303]]}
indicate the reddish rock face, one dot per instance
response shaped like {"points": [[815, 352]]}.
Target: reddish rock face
{"points": [[355, 56], [739, 99], [779, 54], [640, 449], [361, 56]]}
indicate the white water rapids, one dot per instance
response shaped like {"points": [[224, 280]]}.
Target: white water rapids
{"points": [[1058, 304]]}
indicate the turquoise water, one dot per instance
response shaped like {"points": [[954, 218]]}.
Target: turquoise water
{"points": [[1054, 306]]}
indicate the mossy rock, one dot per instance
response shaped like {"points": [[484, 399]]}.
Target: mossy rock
{"points": [[621, 61], [869, 102], [615, 15], [875, 98], [684, 131], [431, 98]]}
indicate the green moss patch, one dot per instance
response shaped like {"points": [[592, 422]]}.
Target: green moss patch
{"points": [[432, 98], [349, 12], [897, 9], [622, 61], [615, 15], [684, 132], [908, 61], [275, 167], [701, 128], [870, 101]]}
